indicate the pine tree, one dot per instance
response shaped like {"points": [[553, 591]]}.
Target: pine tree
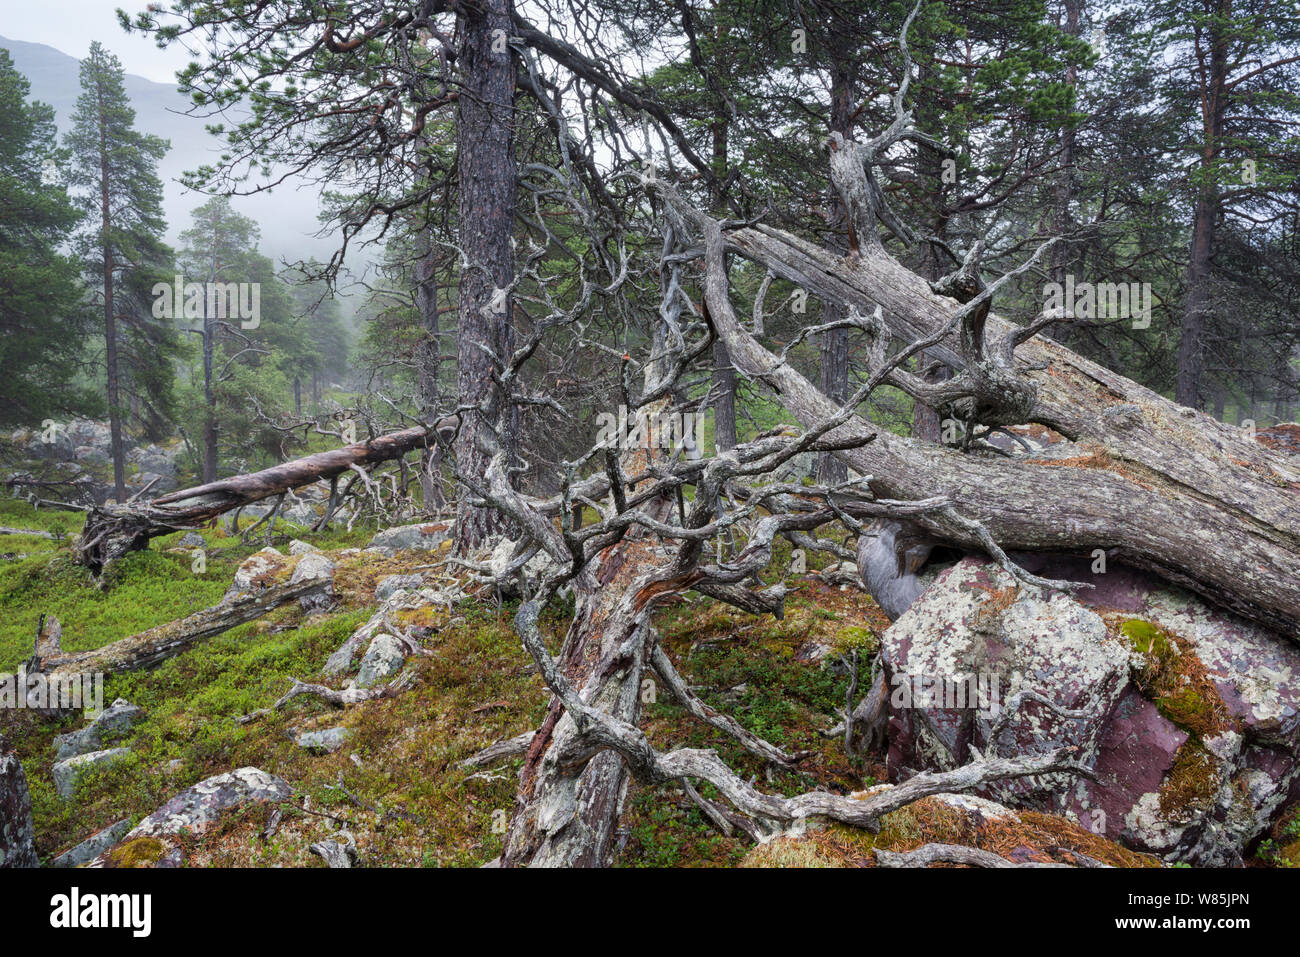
{"points": [[42, 325], [114, 169]]}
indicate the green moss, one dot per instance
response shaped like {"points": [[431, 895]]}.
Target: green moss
{"points": [[1188, 708], [141, 852], [1149, 639], [855, 638]]}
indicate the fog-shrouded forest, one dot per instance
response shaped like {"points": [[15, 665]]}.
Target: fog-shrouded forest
{"points": [[596, 433]]}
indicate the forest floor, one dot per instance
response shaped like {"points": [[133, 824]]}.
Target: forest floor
{"points": [[396, 785]]}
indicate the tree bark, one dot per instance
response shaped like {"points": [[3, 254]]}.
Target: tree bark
{"points": [[724, 399], [485, 155], [569, 801], [834, 371], [1191, 344], [111, 531], [1160, 487], [156, 645], [110, 318]]}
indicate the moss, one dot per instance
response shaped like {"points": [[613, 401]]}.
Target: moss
{"points": [[141, 852], [1171, 676], [855, 638]]}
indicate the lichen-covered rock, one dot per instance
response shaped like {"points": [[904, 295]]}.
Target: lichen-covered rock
{"points": [[326, 740], [1189, 716], [258, 572], [299, 547], [428, 537], [191, 540], [390, 585], [93, 846], [115, 721], [383, 659], [315, 566], [193, 812], [67, 771], [17, 836]]}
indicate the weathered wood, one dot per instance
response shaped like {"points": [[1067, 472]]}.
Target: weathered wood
{"points": [[1156, 485], [114, 530], [156, 645]]}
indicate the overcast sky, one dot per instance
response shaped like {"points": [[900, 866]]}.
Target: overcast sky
{"points": [[70, 25]]}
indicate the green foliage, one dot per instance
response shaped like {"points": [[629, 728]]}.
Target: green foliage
{"points": [[42, 324]]}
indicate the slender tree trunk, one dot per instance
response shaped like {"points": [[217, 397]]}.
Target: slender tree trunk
{"points": [[485, 150], [428, 350], [724, 376], [1191, 344], [209, 402], [833, 378], [110, 322], [724, 399]]}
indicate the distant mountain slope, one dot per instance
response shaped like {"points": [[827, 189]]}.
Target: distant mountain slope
{"points": [[286, 216]]}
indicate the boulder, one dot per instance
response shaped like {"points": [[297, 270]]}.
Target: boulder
{"points": [[315, 566], [383, 659], [191, 540], [115, 721], [1188, 716], [89, 454], [17, 836], [390, 585], [67, 771], [299, 547], [193, 812], [257, 573], [93, 846], [427, 537], [325, 741]]}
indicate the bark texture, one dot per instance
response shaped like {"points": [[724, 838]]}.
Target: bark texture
{"points": [[114, 530], [485, 116], [1158, 486]]}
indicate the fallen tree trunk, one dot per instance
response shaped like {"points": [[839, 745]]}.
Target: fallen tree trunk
{"points": [[114, 530], [1156, 485], [156, 645]]}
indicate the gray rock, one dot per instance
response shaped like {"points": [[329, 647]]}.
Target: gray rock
{"points": [[67, 772], [116, 720], [257, 572], [197, 809], [156, 459], [302, 514], [427, 537], [315, 566], [191, 540], [390, 585], [326, 741], [93, 846], [156, 483], [1194, 773], [383, 659], [89, 453], [17, 836], [299, 547]]}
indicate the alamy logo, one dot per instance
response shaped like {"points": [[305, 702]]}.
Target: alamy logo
{"points": [[980, 692], [74, 910], [209, 300], [1102, 300], [74, 692], [649, 430]]}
